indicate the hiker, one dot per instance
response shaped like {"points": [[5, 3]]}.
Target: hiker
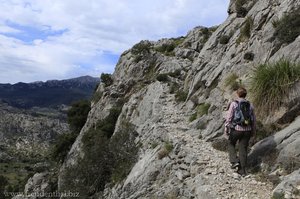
{"points": [[240, 125]]}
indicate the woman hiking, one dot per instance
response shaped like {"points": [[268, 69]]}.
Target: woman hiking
{"points": [[240, 125]]}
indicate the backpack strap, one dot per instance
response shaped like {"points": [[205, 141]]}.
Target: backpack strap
{"points": [[233, 123], [238, 105]]}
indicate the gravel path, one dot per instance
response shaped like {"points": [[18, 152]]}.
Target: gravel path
{"points": [[195, 159]]}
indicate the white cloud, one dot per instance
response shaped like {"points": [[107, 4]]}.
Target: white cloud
{"points": [[88, 32]]}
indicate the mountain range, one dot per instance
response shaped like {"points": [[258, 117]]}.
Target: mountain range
{"points": [[50, 94]]}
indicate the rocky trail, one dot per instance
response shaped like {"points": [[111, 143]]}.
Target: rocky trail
{"points": [[202, 171]]}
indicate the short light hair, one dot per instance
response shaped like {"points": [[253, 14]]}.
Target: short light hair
{"points": [[241, 92]]}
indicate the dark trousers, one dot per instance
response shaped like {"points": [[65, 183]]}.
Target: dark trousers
{"points": [[243, 137]]}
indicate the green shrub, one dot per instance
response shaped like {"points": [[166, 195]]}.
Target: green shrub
{"points": [[168, 48], [107, 126], [178, 41], [249, 56], [124, 151], [138, 58], [277, 195], [240, 10], [106, 79], [141, 48], [224, 39], [93, 170], [245, 30], [213, 28], [193, 117], [181, 96], [271, 84], [106, 158], [175, 74], [287, 29], [206, 33], [202, 109], [154, 145], [77, 115], [62, 146], [162, 77], [169, 146]]}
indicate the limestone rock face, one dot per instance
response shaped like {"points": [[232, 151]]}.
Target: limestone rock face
{"points": [[285, 142], [38, 184], [289, 187], [173, 92]]}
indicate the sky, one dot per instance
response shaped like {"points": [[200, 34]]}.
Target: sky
{"points": [[60, 39]]}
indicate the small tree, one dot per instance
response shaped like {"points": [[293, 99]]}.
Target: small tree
{"points": [[106, 79], [77, 115]]}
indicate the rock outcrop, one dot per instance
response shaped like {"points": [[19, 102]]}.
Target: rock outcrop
{"points": [[172, 91]]}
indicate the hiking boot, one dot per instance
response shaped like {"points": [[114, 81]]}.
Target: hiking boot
{"points": [[235, 165]]}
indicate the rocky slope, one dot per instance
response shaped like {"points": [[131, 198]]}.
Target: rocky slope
{"points": [[28, 132], [160, 85]]}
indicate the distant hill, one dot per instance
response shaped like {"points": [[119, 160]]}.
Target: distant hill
{"points": [[51, 93]]}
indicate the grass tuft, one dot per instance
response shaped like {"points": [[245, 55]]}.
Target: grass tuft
{"points": [[231, 81], [202, 109], [180, 96], [271, 83], [168, 147]]}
